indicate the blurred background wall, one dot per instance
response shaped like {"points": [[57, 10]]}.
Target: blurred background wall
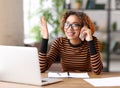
{"points": [[11, 22]]}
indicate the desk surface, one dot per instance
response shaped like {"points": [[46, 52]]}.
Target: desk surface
{"points": [[67, 82]]}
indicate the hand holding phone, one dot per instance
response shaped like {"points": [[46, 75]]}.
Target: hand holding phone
{"points": [[85, 34]]}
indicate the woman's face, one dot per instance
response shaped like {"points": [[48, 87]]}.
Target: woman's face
{"points": [[72, 27]]}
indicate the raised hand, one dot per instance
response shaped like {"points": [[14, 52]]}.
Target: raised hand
{"points": [[86, 33], [44, 28]]}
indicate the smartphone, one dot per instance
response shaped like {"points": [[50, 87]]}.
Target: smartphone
{"points": [[81, 37]]}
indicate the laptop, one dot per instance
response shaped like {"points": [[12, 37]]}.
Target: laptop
{"points": [[20, 64]]}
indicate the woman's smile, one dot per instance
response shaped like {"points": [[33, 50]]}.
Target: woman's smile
{"points": [[70, 34]]}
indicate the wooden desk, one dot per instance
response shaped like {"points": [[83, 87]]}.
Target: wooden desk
{"points": [[67, 82]]}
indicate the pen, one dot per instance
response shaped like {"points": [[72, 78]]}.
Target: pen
{"points": [[68, 74], [59, 74]]}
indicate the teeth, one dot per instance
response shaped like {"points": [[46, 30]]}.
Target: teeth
{"points": [[70, 33]]}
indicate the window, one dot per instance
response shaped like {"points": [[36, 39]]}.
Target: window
{"points": [[50, 8], [29, 8]]}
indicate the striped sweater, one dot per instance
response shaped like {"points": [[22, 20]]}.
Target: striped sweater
{"points": [[82, 57]]}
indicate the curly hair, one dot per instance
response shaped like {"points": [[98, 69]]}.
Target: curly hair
{"points": [[84, 20]]}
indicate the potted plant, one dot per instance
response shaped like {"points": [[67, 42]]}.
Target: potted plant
{"points": [[35, 33], [78, 4], [52, 15]]}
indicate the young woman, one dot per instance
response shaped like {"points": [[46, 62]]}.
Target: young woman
{"points": [[78, 51]]}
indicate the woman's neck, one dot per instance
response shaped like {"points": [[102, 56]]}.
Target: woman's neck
{"points": [[75, 41]]}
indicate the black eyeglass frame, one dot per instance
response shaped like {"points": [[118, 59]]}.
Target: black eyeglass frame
{"points": [[73, 25]]}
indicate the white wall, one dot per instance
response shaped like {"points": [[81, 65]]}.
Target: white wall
{"points": [[11, 22]]}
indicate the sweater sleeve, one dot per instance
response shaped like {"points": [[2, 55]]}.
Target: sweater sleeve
{"points": [[43, 47], [92, 47], [95, 57], [47, 58]]}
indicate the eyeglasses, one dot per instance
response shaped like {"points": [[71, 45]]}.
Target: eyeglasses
{"points": [[74, 26]]}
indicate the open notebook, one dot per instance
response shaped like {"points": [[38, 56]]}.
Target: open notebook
{"points": [[21, 65]]}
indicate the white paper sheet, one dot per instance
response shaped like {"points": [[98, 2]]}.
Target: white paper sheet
{"points": [[100, 82], [65, 74]]}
